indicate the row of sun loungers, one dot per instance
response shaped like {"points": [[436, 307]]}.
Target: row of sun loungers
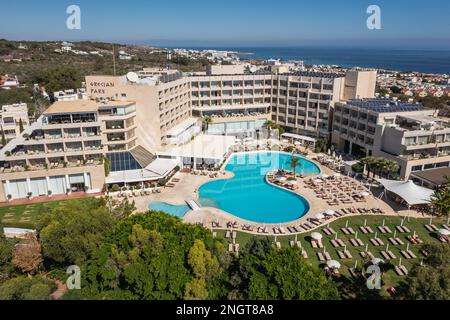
{"points": [[384, 229], [431, 227], [396, 241], [337, 243], [230, 234], [233, 247], [344, 254], [401, 270], [415, 240], [408, 254], [377, 242], [356, 242], [366, 229], [388, 255], [402, 229]]}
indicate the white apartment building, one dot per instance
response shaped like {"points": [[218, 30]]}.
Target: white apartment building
{"points": [[70, 95], [415, 137], [11, 116]]}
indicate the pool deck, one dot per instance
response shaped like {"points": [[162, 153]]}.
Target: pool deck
{"points": [[188, 185]]}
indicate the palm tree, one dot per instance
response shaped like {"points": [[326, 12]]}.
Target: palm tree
{"points": [[440, 200], [391, 167], [294, 162], [369, 162], [206, 121]]}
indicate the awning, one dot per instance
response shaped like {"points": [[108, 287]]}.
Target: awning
{"points": [[298, 137], [408, 191], [156, 170]]}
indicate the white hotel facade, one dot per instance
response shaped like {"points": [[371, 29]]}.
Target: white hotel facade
{"points": [[148, 126]]}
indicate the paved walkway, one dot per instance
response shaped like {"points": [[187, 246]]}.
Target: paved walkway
{"points": [[74, 195]]}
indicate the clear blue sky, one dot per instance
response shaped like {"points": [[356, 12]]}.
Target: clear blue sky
{"points": [[236, 22]]}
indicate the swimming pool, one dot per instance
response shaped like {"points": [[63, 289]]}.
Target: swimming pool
{"points": [[248, 196], [178, 211]]}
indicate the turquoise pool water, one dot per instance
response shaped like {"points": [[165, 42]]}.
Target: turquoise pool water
{"points": [[173, 210], [247, 195]]}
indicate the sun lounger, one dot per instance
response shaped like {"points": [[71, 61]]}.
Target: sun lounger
{"points": [[350, 229], [304, 254], [405, 254], [431, 227], [363, 230], [230, 247], [376, 242], [399, 271], [385, 255], [320, 256], [327, 256], [228, 234], [348, 254], [334, 243], [314, 244], [393, 241]]}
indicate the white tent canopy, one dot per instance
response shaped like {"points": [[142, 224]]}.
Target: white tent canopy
{"points": [[408, 191]]}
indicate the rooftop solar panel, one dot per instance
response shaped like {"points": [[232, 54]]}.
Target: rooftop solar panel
{"points": [[385, 105]]}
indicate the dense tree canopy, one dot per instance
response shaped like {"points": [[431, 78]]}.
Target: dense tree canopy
{"points": [[26, 288], [152, 256], [70, 232], [430, 281], [264, 272]]}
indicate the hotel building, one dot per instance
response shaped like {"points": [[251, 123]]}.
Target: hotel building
{"points": [[415, 137], [11, 115], [148, 123]]}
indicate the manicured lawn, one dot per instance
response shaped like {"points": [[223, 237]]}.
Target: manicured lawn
{"points": [[25, 215], [390, 277]]}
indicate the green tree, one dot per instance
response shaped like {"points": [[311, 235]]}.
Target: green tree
{"points": [[71, 231], [6, 255], [264, 272], [3, 137], [203, 263], [107, 166], [206, 121], [440, 199], [430, 281], [26, 288], [150, 256], [20, 125], [196, 290]]}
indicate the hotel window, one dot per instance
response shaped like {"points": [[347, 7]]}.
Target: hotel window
{"points": [[316, 86], [439, 138], [423, 140], [410, 141], [416, 168]]}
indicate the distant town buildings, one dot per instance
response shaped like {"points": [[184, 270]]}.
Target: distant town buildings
{"points": [[8, 81]]}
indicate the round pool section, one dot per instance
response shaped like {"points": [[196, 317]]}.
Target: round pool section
{"points": [[178, 211], [248, 196]]}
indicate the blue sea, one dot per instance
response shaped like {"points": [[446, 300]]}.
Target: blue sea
{"points": [[427, 61]]}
